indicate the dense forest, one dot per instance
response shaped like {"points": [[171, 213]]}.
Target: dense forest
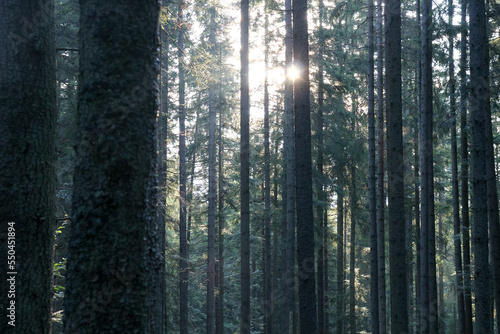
{"points": [[236, 166]]}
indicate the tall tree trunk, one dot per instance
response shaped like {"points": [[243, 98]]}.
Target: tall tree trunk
{"points": [[340, 256], [245, 173], [288, 250], [319, 182], [28, 117], [454, 177], [381, 175], [326, 241], [418, 103], [428, 284], [183, 244], [442, 246], [372, 179], [212, 186], [493, 215], [111, 278], [219, 298], [395, 170], [352, 253], [464, 171], [479, 104], [303, 169], [268, 307], [161, 135]]}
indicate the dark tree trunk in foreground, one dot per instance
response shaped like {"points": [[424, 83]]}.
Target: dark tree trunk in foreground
{"points": [[212, 187], [464, 171], [288, 242], [245, 173], [303, 169], [395, 170], [114, 252], [352, 254], [183, 233], [479, 104], [28, 117]]}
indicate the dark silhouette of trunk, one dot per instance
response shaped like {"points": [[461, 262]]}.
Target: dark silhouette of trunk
{"points": [[454, 177], [493, 215], [326, 241], [352, 253], [372, 178], [212, 186], [479, 104], [428, 284], [464, 171], [114, 254], [183, 238], [219, 298], [28, 160], [418, 103], [245, 173], [303, 169], [395, 170], [268, 307], [319, 183], [441, 245], [288, 309], [340, 255], [161, 136], [380, 175]]}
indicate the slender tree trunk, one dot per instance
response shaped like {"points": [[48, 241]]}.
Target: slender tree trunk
{"points": [[418, 102], [212, 186], [395, 170], [454, 177], [428, 284], [183, 244], [288, 274], [268, 307], [326, 241], [353, 204], [381, 175], [28, 159], [442, 246], [245, 173], [114, 254], [372, 179], [162, 133], [479, 104], [340, 257], [319, 182], [464, 171], [219, 298]]}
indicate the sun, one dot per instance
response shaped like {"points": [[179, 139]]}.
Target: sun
{"points": [[293, 72]]}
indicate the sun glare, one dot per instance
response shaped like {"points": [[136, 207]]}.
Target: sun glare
{"points": [[293, 72]]}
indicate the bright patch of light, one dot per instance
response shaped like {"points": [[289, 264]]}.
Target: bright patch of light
{"points": [[293, 72]]}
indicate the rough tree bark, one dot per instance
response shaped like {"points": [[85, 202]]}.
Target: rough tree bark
{"points": [[28, 116], [395, 170], [114, 252]]}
